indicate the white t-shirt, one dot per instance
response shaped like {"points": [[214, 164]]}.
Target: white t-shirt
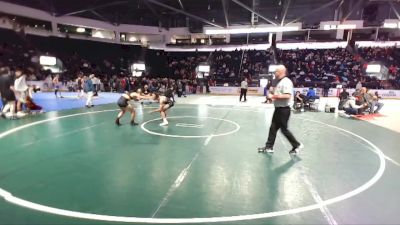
{"points": [[243, 85], [20, 84], [284, 86]]}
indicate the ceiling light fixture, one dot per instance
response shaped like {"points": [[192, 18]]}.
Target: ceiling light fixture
{"points": [[249, 30], [80, 30], [346, 26], [391, 25], [340, 26]]}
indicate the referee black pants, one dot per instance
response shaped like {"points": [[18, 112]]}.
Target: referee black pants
{"points": [[280, 121], [243, 92]]}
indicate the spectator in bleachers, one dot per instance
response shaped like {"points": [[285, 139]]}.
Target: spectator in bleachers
{"points": [[309, 67]]}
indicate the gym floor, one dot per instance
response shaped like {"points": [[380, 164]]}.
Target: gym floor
{"points": [[76, 166]]}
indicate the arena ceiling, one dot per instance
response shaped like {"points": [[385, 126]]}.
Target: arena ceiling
{"points": [[223, 13]]}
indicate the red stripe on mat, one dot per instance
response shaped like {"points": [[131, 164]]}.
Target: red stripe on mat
{"points": [[368, 116]]}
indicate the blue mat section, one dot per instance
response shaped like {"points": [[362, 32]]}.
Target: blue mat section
{"points": [[70, 101]]}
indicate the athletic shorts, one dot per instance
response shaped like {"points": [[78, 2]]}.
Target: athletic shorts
{"points": [[8, 95], [170, 103], [122, 102], [21, 96]]}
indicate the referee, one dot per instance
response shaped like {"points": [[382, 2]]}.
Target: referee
{"points": [[243, 89], [282, 98]]}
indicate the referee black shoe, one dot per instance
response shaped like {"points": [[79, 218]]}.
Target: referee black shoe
{"points": [[296, 150], [266, 149]]}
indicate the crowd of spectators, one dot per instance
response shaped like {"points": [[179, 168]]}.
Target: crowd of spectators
{"points": [[255, 63], [339, 66], [225, 66], [231, 67], [18, 54], [307, 68]]}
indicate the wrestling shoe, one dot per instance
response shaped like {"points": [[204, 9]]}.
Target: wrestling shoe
{"points": [[164, 123]]}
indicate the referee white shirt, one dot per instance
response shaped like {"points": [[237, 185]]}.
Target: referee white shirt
{"points": [[284, 86], [244, 84]]}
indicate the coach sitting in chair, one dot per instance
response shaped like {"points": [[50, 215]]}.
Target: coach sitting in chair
{"points": [[311, 94], [311, 100], [299, 100]]}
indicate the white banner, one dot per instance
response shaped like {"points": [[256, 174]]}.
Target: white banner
{"points": [[389, 93], [333, 92], [236, 90], [254, 91], [224, 90], [382, 93]]}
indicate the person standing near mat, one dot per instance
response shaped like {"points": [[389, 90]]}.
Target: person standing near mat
{"points": [[79, 82], [56, 85], [89, 89], [243, 89], [7, 93], [20, 90], [282, 99]]}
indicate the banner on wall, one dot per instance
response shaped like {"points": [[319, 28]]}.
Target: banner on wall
{"points": [[236, 90], [333, 92], [224, 90], [255, 90], [389, 93], [382, 93]]}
